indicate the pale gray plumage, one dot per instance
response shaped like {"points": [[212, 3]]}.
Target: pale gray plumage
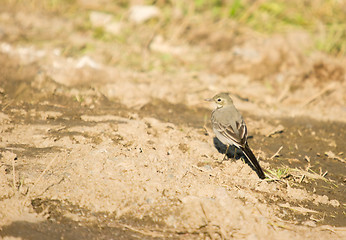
{"points": [[230, 128]]}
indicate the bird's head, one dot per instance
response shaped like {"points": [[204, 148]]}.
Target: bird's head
{"points": [[221, 99]]}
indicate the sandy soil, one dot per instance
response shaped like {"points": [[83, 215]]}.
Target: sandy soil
{"points": [[110, 138]]}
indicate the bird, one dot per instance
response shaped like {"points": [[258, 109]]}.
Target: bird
{"points": [[230, 128]]}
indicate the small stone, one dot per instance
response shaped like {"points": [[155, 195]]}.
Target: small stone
{"points": [[140, 13], [309, 223], [100, 19]]}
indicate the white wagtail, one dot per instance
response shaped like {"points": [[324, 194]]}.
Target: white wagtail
{"points": [[229, 127]]}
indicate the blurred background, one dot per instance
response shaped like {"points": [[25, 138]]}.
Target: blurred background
{"points": [[324, 20], [184, 51]]}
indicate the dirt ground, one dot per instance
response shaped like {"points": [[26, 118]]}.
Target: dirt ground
{"points": [[107, 136]]}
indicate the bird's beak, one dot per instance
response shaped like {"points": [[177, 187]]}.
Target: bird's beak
{"points": [[208, 99]]}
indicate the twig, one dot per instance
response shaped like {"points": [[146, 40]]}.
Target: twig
{"points": [[53, 184], [13, 174], [324, 174], [277, 153], [306, 158], [302, 178]]}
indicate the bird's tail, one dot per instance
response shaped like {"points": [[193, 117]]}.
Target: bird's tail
{"points": [[251, 157]]}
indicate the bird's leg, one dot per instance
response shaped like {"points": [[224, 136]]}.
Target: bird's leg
{"points": [[235, 152], [224, 157]]}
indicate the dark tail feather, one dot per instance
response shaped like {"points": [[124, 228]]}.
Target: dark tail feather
{"points": [[251, 157]]}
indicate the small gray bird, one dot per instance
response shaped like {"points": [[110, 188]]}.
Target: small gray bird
{"points": [[229, 127]]}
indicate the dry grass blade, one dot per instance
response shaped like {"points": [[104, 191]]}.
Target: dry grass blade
{"points": [[302, 178], [330, 87], [152, 233], [302, 210], [39, 178], [332, 155], [277, 153], [311, 174], [277, 174]]}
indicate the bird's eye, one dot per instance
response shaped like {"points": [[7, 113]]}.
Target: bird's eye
{"points": [[219, 99]]}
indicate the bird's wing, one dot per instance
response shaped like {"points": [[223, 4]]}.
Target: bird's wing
{"points": [[238, 136]]}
